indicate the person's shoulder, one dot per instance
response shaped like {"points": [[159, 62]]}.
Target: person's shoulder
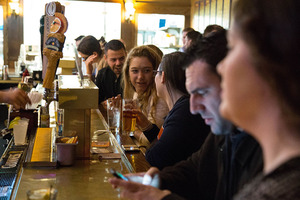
{"points": [[104, 72], [104, 69], [184, 100], [182, 106]]}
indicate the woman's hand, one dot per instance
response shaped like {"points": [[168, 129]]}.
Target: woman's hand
{"points": [[117, 101], [141, 120], [89, 63]]}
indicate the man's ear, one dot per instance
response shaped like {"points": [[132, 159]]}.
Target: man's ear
{"points": [[105, 57], [162, 77]]}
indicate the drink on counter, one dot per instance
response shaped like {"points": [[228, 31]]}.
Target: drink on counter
{"points": [[114, 114], [129, 118], [42, 194]]}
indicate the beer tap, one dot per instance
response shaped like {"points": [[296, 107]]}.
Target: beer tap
{"points": [[51, 95]]}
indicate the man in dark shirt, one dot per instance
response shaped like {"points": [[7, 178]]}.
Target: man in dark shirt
{"points": [[108, 79], [228, 158]]}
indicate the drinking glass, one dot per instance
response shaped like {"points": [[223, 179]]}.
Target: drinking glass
{"points": [[42, 194], [129, 117], [20, 130], [114, 114]]}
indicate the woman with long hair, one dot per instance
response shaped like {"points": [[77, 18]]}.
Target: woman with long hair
{"points": [[138, 83]]}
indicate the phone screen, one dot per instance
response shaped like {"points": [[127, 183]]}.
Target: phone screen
{"points": [[130, 148], [117, 174]]}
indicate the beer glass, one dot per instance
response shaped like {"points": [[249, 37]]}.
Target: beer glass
{"points": [[129, 117]]}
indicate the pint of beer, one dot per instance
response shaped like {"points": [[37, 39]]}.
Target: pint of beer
{"points": [[129, 118]]}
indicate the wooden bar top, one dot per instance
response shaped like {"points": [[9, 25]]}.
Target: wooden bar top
{"points": [[86, 179], [136, 159]]}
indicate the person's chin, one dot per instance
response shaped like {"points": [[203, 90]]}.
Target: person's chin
{"points": [[216, 130]]}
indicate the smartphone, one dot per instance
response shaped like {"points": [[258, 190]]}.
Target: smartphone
{"points": [[130, 147], [117, 174]]}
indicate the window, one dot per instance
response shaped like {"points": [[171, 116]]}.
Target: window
{"points": [[84, 18], [164, 31]]}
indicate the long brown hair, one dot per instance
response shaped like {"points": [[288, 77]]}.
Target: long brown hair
{"points": [[128, 91]]}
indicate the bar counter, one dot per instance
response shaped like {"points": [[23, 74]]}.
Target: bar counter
{"points": [[86, 179]]}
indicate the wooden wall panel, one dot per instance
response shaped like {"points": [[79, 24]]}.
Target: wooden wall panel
{"points": [[195, 14], [205, 12], [213, 12]]}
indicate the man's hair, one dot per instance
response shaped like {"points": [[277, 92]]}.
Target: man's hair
{"points": [[212, 28], [210, 49], [114, 45], [188, 29], [79, 38], [195, 37]]}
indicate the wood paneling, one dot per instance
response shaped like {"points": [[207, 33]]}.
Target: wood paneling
{"points": [[205, 12]]}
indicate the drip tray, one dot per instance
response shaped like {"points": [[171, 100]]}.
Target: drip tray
{"points": [[41, 151]]}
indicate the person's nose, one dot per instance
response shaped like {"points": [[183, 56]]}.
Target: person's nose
{"points": [[196, 104], [140, 74], [118, 62]]}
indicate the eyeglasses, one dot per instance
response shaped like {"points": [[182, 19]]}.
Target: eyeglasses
{"points": [[85, 58], [157, 71]]}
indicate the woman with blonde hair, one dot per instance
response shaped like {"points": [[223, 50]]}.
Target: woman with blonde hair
{"points": [[138, 83]]}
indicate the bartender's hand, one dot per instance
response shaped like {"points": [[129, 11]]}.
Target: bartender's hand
{"points": [[16, 97], [137, 191]]}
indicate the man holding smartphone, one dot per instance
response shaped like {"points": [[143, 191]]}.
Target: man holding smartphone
{"points": [[228, 158]]}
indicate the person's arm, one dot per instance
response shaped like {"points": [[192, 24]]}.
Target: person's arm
{"points": [[150, 130], [196, 177], [152, 133], [16, 97], [183, 134]]}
